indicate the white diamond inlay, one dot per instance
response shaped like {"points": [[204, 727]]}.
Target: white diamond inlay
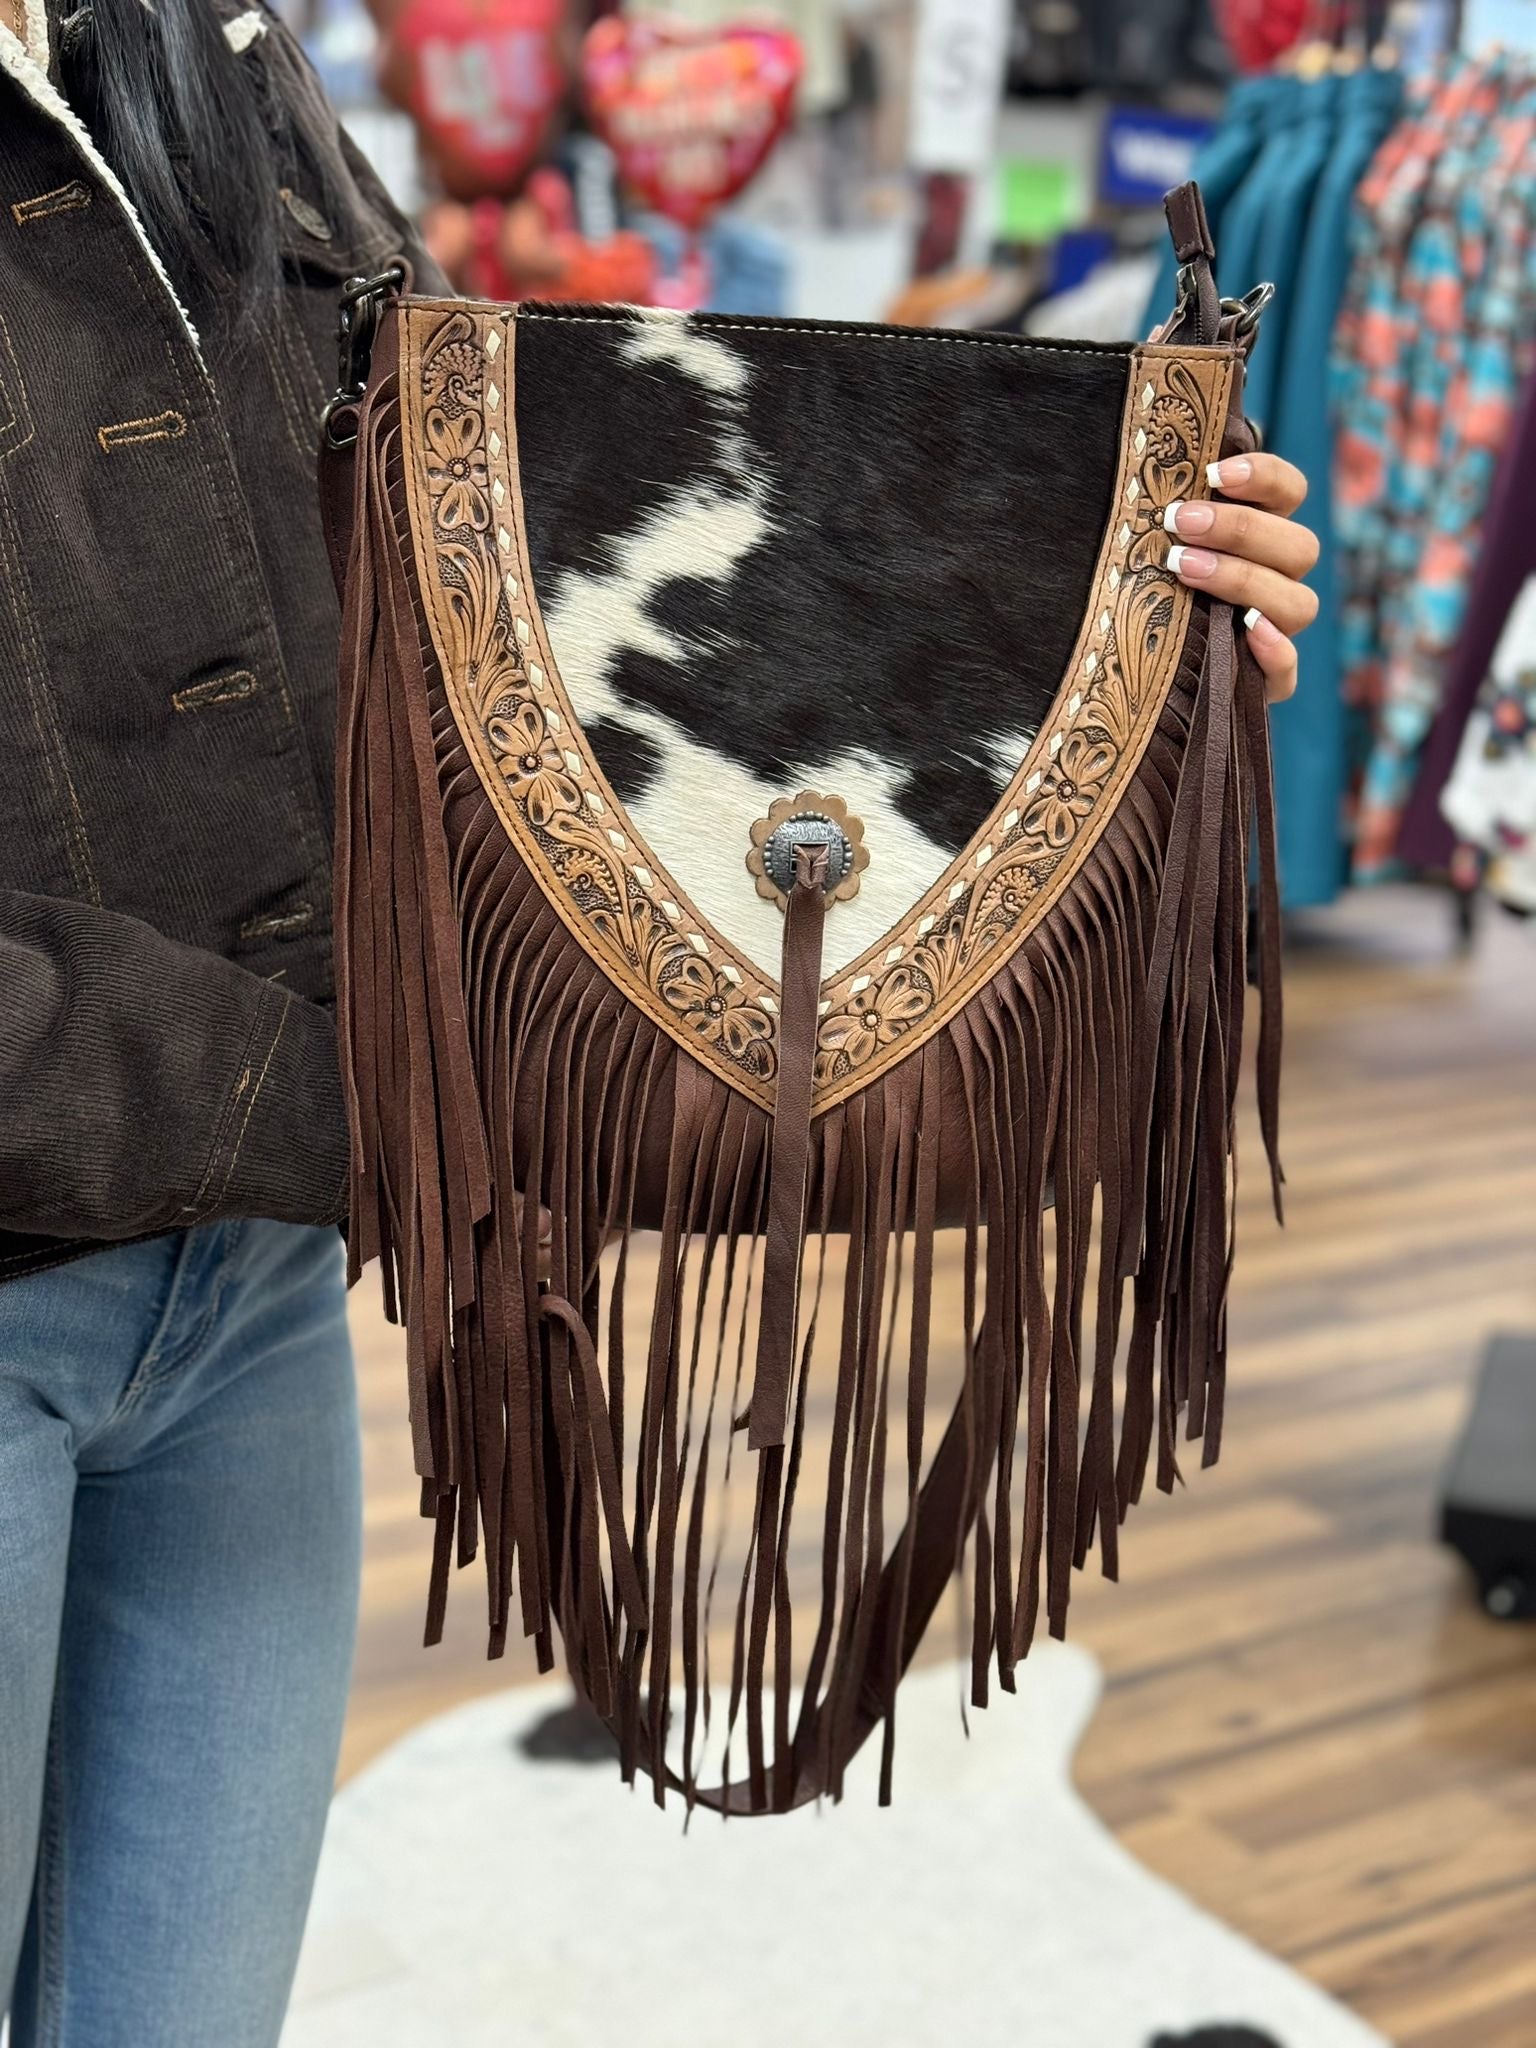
{"points": [[492, 396], [984, 854], [1106, 620], [498, 490], [1055, 746], [698, 942], [509, 584], [670, 910], [1010, 821], [642, 875], [552, 718], [622, 844], [1125, 536], [926, 924], [857, 986], [535, 675], [1091, 663], [1114, 579], [523, 632], [495, 444], [503, 539], [769, 1005], [956, 891], [572, 762], [492, 343], [894, 955], [594, 803], [1076, 703], [1147, 396], [732, 975], [1141, 440], [823, 1006]]}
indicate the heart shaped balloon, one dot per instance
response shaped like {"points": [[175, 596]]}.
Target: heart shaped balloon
{"points": [[483, 79], [690, 114], [1259, 31]]}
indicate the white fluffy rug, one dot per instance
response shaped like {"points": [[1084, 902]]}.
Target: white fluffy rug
{"points": [[471, 1897]]}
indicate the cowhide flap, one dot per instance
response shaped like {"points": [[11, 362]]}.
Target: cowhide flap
{"points": [[622, 586]]}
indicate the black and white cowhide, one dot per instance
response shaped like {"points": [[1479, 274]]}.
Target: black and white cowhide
{"points": [[773, 557], [989, 1905]]}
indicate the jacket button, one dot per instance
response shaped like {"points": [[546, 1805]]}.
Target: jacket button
{"points": [[309, 218]]}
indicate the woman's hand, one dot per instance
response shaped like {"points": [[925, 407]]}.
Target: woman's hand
{"points": [[1246, 548]]}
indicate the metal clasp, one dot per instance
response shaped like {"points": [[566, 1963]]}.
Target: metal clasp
{"points": [[357, 325], [1244, 313], [1249, 310]]}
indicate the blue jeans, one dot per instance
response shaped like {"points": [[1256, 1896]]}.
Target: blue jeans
{"points": [[179, 1550]]}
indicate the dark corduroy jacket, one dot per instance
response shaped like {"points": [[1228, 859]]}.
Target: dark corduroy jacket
{"points": [[167, 653]]}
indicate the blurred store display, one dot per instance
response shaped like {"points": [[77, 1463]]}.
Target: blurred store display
{"points": [[532, 247]]}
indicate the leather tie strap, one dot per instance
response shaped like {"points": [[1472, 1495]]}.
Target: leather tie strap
{"points": [[1195, 248], [1188, 225], [799, 1014]]}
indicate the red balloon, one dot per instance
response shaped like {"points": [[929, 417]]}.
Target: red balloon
{"points": [[482, 79], [690, 114], [1259, 31]]}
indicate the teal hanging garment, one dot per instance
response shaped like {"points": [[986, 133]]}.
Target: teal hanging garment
{"points": [[1310, 734]]}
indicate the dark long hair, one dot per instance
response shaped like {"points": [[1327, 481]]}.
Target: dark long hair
{"points": [[189, 126]]}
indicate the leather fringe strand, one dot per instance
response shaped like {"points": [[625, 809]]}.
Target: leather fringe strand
{"points": [[513, 1114]]}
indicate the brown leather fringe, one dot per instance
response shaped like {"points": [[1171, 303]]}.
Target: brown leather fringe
{"points": [[514, 1115]]}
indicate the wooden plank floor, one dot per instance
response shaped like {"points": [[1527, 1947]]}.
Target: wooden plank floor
{"points": [[1309, 1725]]}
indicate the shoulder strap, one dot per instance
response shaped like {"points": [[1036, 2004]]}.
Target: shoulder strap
{"points": [[366, 320]]}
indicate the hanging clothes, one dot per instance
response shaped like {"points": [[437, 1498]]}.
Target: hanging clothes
{"points": [[1497, 247], [1309, 734], [1373, 344], [1506, 562], [1242, 224], [1398, 223], [1445, 338], [1443, 288], [1280, 245]]}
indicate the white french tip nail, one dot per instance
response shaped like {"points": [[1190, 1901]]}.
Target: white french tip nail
{"points": [[1213, 475], [1252, 616], [1175, 558], [1171, 516]]}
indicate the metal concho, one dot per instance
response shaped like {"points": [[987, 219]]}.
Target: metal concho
{"points": [[807, 828]]}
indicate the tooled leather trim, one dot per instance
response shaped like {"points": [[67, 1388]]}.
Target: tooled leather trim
{"points": [[614, 895]]}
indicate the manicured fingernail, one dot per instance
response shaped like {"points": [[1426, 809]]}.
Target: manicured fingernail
{"points": [[1237, 469], [1265, 631], [1185, 517], [1191, 564]]}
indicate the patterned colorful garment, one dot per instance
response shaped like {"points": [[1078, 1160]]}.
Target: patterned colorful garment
{"points": [[1431, 359], [1374, 343]]}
